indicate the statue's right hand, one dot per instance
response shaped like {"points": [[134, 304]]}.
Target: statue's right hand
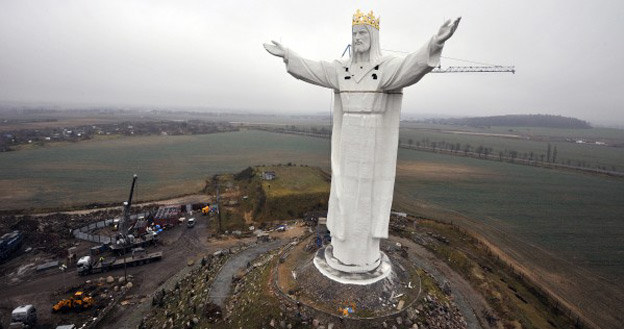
{"points": [[275, 49]]}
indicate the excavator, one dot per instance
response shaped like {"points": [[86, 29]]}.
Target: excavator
{"points": [[78, 302]]}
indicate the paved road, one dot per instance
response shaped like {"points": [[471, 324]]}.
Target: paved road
{"points": [[220, 288]]}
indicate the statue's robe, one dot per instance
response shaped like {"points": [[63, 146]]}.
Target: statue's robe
{"points": [[364, 144]]}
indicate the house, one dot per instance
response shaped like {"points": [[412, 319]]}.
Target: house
{"points": [[268, 175]]}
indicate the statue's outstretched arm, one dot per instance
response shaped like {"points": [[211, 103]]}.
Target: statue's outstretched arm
{"points": [[409, 70], [316, 72]]}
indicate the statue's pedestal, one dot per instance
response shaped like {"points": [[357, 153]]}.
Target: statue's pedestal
{"points": [[308, 281], [334, 269]]}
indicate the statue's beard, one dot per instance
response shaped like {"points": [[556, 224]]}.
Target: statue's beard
{"points": [[361, 49], [361, 54]]}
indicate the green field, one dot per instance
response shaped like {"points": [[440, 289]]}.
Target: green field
{"points": [[101, 171], [578, 215]]}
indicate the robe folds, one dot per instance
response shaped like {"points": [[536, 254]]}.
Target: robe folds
{"points": [[364, 143]]}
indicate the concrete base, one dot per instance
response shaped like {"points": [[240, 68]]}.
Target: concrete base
{"points": [[331, 267], [335, 263]]}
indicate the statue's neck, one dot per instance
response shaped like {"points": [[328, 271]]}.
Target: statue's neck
{"points": [[359, 57]]}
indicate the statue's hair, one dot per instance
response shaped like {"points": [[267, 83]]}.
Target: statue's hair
{"points": [[375, 48]]}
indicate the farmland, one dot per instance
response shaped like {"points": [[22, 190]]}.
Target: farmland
{"points": [[565, 227], [528, 143], [101, 171], [595, 148]]}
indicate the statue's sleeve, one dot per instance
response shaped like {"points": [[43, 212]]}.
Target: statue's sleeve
{"points": [[403, 72], [320, 73]]}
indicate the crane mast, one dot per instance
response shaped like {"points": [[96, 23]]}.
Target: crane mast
{"points": [[123, 223]]}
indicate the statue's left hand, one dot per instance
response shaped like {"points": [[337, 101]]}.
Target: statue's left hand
{"points": [[275, 49], [447, 29]]}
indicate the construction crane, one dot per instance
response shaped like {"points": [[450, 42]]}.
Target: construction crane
{"points": [[123, 225], [482, 68]]}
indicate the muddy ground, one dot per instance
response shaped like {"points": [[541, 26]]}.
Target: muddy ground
{"points": [[22, 284]]}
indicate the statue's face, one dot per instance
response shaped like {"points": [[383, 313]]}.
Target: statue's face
{"points": [[361, 40]]}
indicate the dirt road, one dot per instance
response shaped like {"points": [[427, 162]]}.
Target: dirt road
{"points": [[220, 289]]}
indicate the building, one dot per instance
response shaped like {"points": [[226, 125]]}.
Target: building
{"points": [[269, 175]]}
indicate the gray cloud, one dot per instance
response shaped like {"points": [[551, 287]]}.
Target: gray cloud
{"points": [[209, 54]]}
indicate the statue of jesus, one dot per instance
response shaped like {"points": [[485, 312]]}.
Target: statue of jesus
{"points": [[367, 105]]}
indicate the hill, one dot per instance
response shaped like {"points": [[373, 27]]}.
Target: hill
{"points": [[251, 197], [518, 120], [292, 192]]}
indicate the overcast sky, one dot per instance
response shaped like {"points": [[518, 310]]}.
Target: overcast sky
{"points": [[209, 54]]}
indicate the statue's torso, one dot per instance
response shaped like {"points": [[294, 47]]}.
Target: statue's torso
{"points": [[360, 88]]}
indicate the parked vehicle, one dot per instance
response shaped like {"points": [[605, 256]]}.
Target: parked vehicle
{"points": [[9, 243], [23, 316], [134, 242], [77, 303], [89, 264], [190, 223]]}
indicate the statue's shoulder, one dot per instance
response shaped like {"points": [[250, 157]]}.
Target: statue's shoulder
{"points": [[389, 58], [343, 62]]}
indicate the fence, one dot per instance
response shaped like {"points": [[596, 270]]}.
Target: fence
{"points": [[83, 232]]}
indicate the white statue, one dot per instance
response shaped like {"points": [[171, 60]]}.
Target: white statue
{"points": [[367, 105]]}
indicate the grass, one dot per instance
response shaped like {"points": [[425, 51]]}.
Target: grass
{"points": [[295, 191], [294, 180], [553, 210]]}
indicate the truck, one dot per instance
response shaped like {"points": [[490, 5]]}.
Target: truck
{"points": [[23, 316], [89, 264], [10, 243]]}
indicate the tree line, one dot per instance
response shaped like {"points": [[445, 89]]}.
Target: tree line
{"points": [[548, 157], [520, 120]]}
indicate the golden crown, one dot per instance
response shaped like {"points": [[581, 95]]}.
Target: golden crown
{"points": [[369, 19]]}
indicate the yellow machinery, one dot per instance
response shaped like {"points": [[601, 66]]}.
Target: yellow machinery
{"points": [[78, 303]]}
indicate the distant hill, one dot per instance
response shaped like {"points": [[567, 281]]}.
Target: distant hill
{"points": [[520, 120]]}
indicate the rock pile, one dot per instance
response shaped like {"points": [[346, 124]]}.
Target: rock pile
{"points": [[187, 305]]}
